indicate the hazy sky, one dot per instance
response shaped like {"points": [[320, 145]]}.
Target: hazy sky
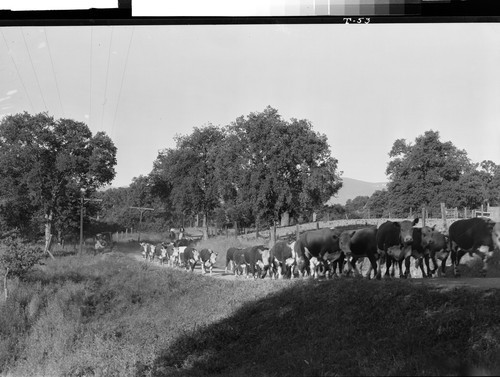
{"points": [[364, 86]]}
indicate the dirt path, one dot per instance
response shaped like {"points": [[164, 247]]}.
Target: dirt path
{"points": [[445, 283]]}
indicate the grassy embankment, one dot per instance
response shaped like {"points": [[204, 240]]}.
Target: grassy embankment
{"points": [[111, 315]]}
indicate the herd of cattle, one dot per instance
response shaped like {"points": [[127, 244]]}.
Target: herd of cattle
{"points": [[326, 251]]}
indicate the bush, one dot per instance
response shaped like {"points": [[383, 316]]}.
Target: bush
{"points": [[18, 257]]}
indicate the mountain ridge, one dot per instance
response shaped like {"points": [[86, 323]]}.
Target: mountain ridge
{"points": [[352, 188]]}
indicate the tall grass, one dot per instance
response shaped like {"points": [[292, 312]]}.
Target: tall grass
{"points": [[113, 316]]}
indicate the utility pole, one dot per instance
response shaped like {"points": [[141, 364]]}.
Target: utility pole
{"points": [[142, 209], [82, 202]]}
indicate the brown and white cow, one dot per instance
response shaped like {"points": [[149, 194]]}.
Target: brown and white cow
{"points": [[190, 257], [282, 259], [208, 257]]}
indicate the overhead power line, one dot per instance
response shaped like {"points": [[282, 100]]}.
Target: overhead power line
{"points": [[17, 71], [33, 67], [106, 81], [121, 85], [53, 71], [90, 64]]}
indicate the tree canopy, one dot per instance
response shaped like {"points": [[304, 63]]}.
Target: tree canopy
{"points": [[254, 169], [46, 165], [429, 172]]}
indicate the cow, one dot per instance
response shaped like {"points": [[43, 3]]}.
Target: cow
{"points": [[315, 243], [208, 258], [147, 250], [239, 261], [180, 245], [437, 249], [190, 257], [496, 236], [254, 259], [475, 236], [229, 257], [357, 244], [394, 239], [420, 249], [282, 259]]}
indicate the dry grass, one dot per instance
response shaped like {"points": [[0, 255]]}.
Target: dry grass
{"points": [[113, 316]]}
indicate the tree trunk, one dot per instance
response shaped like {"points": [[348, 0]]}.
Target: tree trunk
{"points": [[205, 226], [273, 236], [5, 290], [48, 234], [235, 229], [257, 228]]}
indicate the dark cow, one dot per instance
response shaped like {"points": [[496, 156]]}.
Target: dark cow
{"points": [[394, 241], [190, 257], [252, 260], [315, 243], [167, 252], [438, 249], [357, 244], [496, 236], [229, 257], [282, 259], [475, 236], [422, 238], [208, 257], [239, 262]]}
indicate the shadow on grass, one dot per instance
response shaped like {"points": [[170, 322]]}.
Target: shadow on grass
{"points": [[347, 327]]}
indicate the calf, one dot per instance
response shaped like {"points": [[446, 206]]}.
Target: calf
{"points": [[147, 250], [207, 260]]}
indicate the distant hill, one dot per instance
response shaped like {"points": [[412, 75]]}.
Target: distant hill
{"points": [[354, 187]]}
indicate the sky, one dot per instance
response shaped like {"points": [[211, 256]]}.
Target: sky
{"points": [[363, 86]]}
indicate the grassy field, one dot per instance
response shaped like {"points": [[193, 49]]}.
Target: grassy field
{"points": [[113, 316]]}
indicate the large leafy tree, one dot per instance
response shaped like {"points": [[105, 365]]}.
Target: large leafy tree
{"points": [[423, 173], [270, 166], [187, 172], [47, 164]]}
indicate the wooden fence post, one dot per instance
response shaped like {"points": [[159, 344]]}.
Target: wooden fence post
{"points": [[423, 215], [272, 230], [443, 216]]}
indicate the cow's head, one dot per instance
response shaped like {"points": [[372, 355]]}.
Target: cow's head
{"points": [[406, 231], [345, 242], [265, 257], [427, 236], [213, 256]]}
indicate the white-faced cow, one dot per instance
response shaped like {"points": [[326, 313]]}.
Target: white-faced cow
{"points": [[253, 259], [394, 241], [357, 244], [208, 257], [475, 236], [315, 243], [190, 257], [147, 250]]}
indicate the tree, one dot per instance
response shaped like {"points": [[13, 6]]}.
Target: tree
{"points": [[47, 164], [424, 173], [357, 207], [275, 166], [379, 203], [187, 172]]}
